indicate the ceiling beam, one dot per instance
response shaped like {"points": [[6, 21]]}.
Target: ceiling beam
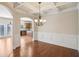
{"points": [[17, 5]]}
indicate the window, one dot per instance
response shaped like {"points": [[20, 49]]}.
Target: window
{"points": [[1, 30], [5, 30]]}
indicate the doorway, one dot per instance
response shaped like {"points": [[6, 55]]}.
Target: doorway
{"points": [[6, 24], [26, 35]]}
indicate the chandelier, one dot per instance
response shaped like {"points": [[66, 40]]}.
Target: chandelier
{"points": [[39, 21]]}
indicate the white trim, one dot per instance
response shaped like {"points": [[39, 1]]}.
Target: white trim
{"points": [[33, 30], [66, 10], [61, 39], [69, 9]]}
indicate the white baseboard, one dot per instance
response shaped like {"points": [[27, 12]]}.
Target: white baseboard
{"points": [[66, 40]]}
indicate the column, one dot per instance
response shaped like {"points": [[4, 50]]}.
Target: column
{"points": [[16, 31]]}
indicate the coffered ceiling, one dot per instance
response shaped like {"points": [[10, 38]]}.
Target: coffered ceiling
{"points": [[32, 8]]}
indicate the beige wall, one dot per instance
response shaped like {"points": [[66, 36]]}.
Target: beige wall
{"points": [[78, 27], [62, 23], [60, 29]]}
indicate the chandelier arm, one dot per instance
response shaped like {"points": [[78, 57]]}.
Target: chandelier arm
{"points": [[39, 21], [39, 10]]}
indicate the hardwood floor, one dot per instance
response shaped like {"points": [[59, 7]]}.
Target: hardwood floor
{"points": [[42, 49], [48, 50]]}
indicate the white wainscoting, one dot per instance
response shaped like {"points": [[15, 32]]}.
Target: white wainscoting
{"points": [[78, 41], [66, 40]]}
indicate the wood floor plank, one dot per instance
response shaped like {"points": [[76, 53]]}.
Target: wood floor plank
{"points": [[42, 49]]}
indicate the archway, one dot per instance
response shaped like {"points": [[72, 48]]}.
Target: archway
{"points": [[27, 35], [6, 46]]}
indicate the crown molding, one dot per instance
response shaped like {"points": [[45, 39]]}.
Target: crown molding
{"points": [[66, 10], [70, 9]]}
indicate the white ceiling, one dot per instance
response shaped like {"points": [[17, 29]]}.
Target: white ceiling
{"points": [[32, 8], [4, 12]]}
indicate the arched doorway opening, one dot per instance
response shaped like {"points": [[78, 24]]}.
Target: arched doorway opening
{"points": [[6, 46], [26, 34]]}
